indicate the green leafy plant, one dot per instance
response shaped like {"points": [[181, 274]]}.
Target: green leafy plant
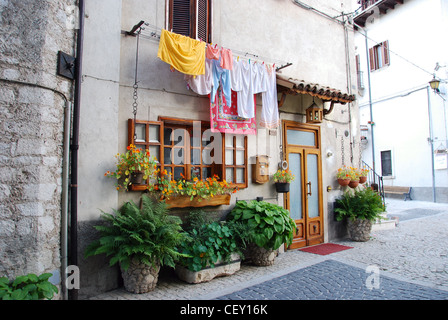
{"points": [[360, 204], [27, 287], [148, 234], [133, 161], [283, 176], [270, 225], [210, 241]]}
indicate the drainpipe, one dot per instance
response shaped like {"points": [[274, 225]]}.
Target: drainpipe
{"points": [[65, 196], [370, 97], [75, 146], [431, 140]]}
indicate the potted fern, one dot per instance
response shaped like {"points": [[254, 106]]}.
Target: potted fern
{"points": [[141, 240], [360, 208]]}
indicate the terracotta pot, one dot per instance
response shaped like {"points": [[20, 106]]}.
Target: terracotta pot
{"points": [[362, 180], [282, 187], [353, 184], [344, 182]]}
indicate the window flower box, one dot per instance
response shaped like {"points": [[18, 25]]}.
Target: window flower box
{"points": [[184, 201]]}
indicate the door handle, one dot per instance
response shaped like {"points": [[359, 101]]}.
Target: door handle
{"points": [[309, 188]]}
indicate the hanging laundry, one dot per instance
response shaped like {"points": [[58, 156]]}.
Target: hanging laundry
{"points": [[224, 116], [201, 84], [183, 53], [226, 59], [221, 77], [253, 81], [269, 117], [235, 75], [212, 52]]}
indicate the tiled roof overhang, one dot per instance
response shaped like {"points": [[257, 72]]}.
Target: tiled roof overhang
{"points": [[294, 86]]}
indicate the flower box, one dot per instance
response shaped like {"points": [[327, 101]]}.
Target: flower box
{"points": [[184, 201], [219, 270]]}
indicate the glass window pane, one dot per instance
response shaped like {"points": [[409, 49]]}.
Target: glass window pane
{"points": [[295, 192], [240, 157], [229, 174], [229, 140], [239, 141], [139, 146], [154, 133], [229, 156], [195, 172], [240, 175], [195, 156], [206, 156], [154, 151], [178, 156], [302, 138], [167, 136], [177, 172], [168, 173], [167, 156], [140, 131], [206, 172], [178, 137]]}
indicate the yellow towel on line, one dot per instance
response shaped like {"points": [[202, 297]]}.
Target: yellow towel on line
{"points": [[184, 54]]}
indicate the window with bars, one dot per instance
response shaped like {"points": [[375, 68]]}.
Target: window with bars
{"points": [[191, 18], [379, 56], [184, 154]]}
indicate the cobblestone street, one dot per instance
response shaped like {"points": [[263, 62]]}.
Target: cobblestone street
{"points": [[412, 261]]}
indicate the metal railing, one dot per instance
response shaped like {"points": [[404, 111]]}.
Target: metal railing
{"points": [[375, 181]]}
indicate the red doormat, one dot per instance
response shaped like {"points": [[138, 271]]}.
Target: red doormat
{"points": [[325, 248]]}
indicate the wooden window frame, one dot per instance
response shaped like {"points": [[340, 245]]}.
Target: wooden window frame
{"points": [[379, 56], [193, 19], [216, 168]]}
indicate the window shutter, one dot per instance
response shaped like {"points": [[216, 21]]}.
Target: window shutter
{"points": [[203, 23], [181, 17], [372, 58], [385, 47]]}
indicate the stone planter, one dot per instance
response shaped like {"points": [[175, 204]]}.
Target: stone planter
{"points": [[359, 229], [260, 256], [220, 269], [140, 277]]}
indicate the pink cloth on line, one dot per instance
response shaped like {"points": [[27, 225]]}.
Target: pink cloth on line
{"points": [[224, 116], [211, 52], [226, 59]]}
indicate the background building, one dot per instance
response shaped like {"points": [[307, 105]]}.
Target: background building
{"points": [[398, 51], [309, 43]]}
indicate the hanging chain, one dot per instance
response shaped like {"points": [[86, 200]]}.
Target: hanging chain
{"points": [[342, 150], [135, 86]]}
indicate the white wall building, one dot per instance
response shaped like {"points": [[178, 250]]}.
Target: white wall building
{"points": [[399, 48]]}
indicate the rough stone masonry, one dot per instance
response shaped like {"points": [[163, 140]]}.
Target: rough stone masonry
{"points": [[31, 141]]}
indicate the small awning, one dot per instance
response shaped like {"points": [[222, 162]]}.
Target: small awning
{"points": [[294, 86]]}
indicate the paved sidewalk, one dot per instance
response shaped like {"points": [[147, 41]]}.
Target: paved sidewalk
{"points": [[412, 261]]}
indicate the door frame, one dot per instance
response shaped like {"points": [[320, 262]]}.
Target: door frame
{"points": [[305, 224]]}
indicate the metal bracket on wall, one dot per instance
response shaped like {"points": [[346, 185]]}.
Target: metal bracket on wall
{"points": [[66, 65]]}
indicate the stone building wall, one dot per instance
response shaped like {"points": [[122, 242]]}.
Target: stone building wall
{"points": [[32, 102]]}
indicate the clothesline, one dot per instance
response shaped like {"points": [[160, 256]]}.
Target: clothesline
{"points": [[231, 84], [149, 31]]}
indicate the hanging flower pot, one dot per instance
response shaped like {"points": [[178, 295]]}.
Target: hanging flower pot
{"points": [[343, 182], [353, 183], [362, 179], [137, 177], [282, 187]]}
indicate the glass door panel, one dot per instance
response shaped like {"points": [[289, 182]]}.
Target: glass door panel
{"points": [[312, 185], [295, 188]]}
